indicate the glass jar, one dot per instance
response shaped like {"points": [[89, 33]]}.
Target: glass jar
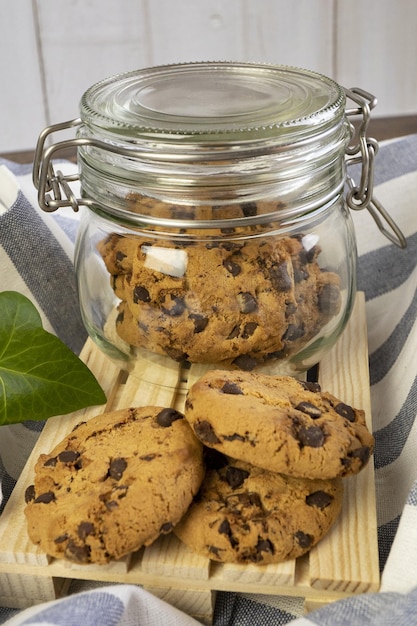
{"points": [[214, 226]]}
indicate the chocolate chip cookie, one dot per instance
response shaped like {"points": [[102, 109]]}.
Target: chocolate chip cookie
{"points": [[241, 303], [245, 514], [114, 484], [279, 423]]}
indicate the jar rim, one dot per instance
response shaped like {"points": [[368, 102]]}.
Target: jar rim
{"points": [[211, 102]]}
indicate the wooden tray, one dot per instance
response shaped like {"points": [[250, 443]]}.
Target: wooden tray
{"points": [[345, 562]]}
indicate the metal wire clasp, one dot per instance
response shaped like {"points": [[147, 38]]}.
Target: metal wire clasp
{"points": [[363, 152], [54, 190]]}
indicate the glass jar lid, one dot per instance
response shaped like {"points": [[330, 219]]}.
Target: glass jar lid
{"points": [[214, 102], [223, 131]]}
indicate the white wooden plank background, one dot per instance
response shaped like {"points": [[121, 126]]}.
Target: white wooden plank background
{"points": [[52, 50]]}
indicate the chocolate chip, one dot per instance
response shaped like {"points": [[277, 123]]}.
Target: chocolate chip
{"points": [[117, 467], [234, 437], [111, 504], [234, 333], [363, 454], [166, 417], [176, 308], [230, 245], [183, 213], [45, 498], [247, 302], [303, 540], [249, 209], [245, 362], [30, 494], [299, 273], [51, 462], [120, 317], [61, 538], [84, 529], [320, 499], [68, 456], [166, 528], [120, 256], [290, 309], [225, 529], [205, 432], [293, 332], [235, 476], [148, 457], [233, 268], [141, 294], [120, 491], [277, 354], [329, 299], [345, 411], [309, 409], [231, 388], [265, 545], [177, 355], [280, 279], [200, 322], [215, 551], [308, 256], [311, 436], [310, 386], [249, 329], [77, 553]]}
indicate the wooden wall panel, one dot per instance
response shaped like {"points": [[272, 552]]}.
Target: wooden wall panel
{"points": [[290, 33], [67, 45], [22, 110], [281, 31], [195, 30], [377, 50], [85, 41]]}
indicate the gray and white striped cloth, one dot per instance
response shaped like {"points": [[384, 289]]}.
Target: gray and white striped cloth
{"points": [[36, 251]]}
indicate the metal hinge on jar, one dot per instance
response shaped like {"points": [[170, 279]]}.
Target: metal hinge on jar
{"points": [[363, 152], [54, 190]]}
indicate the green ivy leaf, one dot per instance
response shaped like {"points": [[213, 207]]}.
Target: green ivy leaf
{"points": [[39, 375]]}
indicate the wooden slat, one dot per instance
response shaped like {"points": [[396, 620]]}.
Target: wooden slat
{"points": [[15, 589], [153, 381], [170, 558], [259, 575], [347, 558]]}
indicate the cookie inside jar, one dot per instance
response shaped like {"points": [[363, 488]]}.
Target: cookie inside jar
{"points": [[248, 296]]}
